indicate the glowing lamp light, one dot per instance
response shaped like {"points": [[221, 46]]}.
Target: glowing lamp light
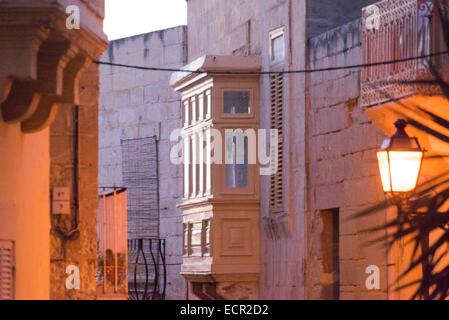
{"points": [[399, 160]]}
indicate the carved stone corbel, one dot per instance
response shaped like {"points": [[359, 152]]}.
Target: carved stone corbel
{"points": [[18, 88], [34, 102], [72, 74], [59, 70], [44, 114], [22, 101], [53, 57], [5, 88]]}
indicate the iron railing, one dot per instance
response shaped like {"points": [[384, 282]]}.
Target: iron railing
{"points": [[147, 277], [400, 30]]}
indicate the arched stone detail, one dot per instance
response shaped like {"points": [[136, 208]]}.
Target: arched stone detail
{"points": [[53, 57], [22, 101], [43, 116], [72, 74], [5, 88]]}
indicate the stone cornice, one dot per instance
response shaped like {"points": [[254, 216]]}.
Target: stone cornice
{"points": [[51, 17]]}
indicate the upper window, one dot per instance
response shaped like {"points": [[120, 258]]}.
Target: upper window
{"points": [[277, 45], [236, 102]]}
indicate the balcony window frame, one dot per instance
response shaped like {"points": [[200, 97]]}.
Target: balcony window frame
{"points": [[250, 188], [248, 115]]}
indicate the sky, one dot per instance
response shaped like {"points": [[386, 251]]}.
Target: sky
{"points": [[124, 18]]}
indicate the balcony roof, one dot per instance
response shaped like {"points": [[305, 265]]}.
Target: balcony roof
{"points": [[214, 63]]}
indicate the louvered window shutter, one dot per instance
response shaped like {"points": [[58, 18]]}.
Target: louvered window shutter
{"points": [[277, 101], [6, 270]]}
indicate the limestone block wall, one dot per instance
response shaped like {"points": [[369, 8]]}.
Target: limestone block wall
{"points": [[136, 104], [325, 15], [342, 166], [233, 27]]}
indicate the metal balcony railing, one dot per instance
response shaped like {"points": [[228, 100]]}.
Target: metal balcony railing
{"points": [[395, 30], [147, 278]]}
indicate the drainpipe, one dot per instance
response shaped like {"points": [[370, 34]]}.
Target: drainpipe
{"points": [[76, 126], [307, 222], [156, 139], [158, 181]]}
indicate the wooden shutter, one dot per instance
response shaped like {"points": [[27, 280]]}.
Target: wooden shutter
{"points": [[277, 102], [6, 270]]}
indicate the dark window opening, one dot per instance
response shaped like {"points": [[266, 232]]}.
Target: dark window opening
{"points": [[330, 248]]}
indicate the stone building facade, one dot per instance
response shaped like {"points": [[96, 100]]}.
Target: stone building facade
{"points": [[46, 66], [310, 249], [342, 170], [349, 115], [138, 113]]}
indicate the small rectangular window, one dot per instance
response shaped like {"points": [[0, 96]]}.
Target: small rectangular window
{"points": [[277, 45], [186, 238], [330, 240], [206, 238], [236, 102], [195, 238]]}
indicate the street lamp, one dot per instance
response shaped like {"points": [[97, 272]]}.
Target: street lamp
{"points": [[399, 160]]}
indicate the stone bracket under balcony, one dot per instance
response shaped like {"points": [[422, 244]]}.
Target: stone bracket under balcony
{"points": [[424, 113]]}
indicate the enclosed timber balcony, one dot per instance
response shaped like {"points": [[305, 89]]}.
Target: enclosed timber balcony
{"points": [[221, 203]]}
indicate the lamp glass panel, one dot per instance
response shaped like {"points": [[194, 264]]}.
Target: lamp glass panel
{"points": [[382, 159], [404, 169]]}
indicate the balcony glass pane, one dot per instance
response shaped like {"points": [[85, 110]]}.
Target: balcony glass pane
{"points": [[236, 102], [237, 162]]}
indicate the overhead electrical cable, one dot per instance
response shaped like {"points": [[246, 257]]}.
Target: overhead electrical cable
{"points": [[303, 71]]}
